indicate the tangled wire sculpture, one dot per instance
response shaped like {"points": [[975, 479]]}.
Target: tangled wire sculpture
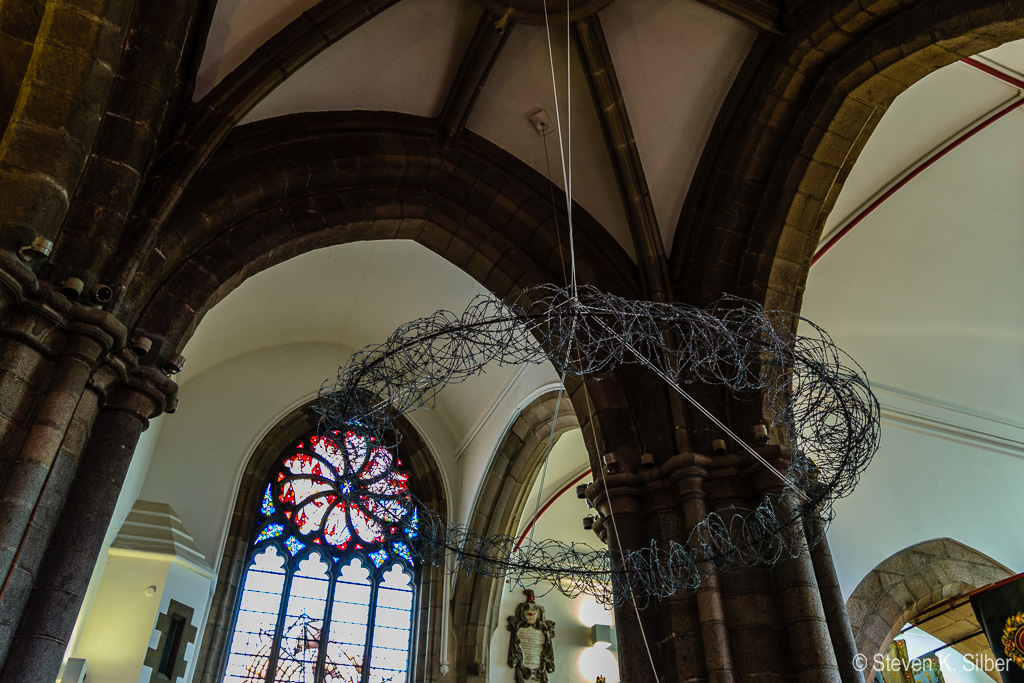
{"points": [[824, 411]]}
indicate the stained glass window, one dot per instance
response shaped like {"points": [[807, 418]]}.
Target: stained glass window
{"points": [[328, 592]]}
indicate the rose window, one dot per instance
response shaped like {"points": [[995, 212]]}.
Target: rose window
{"points": [[329, 587], [340, 491]]}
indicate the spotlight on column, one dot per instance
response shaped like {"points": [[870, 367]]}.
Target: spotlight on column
{"points": [[588, 522], [760, 434], [718, 447], [611, 463], [173, 407], [141, 345], [38, 248], [581, 491], [174, 364], [72, 288], [101, 294], [647, 461]]}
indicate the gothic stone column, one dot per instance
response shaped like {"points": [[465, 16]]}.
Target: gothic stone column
{"points": [[49, 350], [48, 620], [761, 623]]}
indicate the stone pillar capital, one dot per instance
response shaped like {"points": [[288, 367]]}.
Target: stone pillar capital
{"points": [[40, 317], [687, 472], [764, 480], [94, 333], [142, 391], [620, 492]]}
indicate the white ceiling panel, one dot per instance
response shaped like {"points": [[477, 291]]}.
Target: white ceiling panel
{"points": [[237, 29], [402, 60], [675, 60], [1009, 56], [518, 86], [922, 119]]}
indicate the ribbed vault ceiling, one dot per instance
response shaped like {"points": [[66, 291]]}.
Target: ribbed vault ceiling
{"points": [[923, 292], [673, 59]]}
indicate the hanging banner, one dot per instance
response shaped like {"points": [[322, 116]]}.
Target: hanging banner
{"points": [[1000, 611]]}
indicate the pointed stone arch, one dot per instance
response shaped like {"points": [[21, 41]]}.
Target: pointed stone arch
{"points": [[285, 186], [907, 583], [499, 509], [794, 123]]}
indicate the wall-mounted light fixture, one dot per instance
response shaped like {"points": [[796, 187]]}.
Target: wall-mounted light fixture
{"points": [[597, 662], [760, 434], [601, 635], [141, 345]]}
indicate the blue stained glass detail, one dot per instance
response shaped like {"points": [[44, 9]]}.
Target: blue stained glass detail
{"points": [[414, 522], [294, 545], [269, 531], [402, 550], [267, 506], [379, 557]]}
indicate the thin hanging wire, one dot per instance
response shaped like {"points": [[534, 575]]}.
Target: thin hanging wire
{"points": [[566, 169], [567, 174], [547, 456]]}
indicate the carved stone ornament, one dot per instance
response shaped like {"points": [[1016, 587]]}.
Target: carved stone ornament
{"points": [[530, 651]]}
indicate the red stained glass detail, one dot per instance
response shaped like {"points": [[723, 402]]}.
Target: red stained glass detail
{"points": [[343, 491], [288, 494]]}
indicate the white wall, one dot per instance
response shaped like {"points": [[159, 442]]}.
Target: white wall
{"points": [[940, 472], [924, 293], [121, 625]]}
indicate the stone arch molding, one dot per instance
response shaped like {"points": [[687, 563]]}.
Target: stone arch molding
{"points": [[285, 186], [499, 508], [909, 582], [798, 116]]}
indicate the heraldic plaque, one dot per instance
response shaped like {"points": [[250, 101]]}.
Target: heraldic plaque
{"points": [[530, 650]]}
